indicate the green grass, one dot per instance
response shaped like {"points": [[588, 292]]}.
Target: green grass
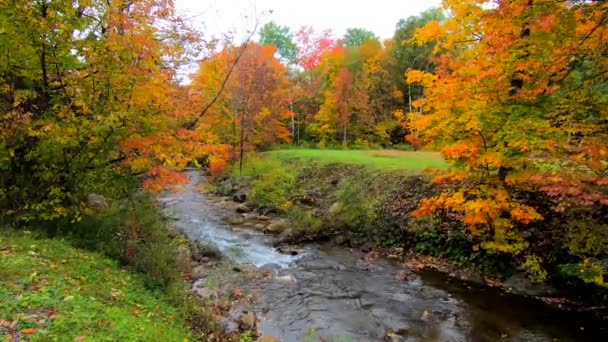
{"points": [[378, 159], [55, 292]]}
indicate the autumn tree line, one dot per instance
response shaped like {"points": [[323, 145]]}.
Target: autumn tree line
{"points": [[513, 93], [320, 90]]}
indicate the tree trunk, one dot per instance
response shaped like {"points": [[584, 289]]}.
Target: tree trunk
{"points": [[241, 152]]}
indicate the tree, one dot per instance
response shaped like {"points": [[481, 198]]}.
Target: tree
{"points": [[407, 54], [280, 36], [253, 109], [517, 102], [312, 45], [357, 36]]}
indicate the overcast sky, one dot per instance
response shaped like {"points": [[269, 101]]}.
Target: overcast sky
{"points": [[379, 16]]}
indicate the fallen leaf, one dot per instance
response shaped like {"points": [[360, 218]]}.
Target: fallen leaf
{"points": [[137, 312], [79, 339], [28, 331]]}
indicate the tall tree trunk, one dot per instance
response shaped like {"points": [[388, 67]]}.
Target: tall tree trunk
{"points": [[241, 152]]}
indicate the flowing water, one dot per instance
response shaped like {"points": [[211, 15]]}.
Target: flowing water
{"points": [[332, 294]]}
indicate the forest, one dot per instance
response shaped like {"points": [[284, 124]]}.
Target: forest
{"points": [[498, 108]]}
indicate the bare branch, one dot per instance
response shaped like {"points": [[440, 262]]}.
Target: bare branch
{"points": [[191, 125]]}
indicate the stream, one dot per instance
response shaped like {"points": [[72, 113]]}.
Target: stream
{"points": [[329, 293]]}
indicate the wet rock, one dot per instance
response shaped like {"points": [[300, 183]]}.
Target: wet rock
{"points": [[340, 267], [268, 339], [249, 216], [205, 293], [247, 320], [405, 275], [342, 240], [245, 268], [239, 197], [202, 252], [259, 226], [199, 272], [230, 323], [272, 268], [286, 278], [286, 236], [234, 220], [97, 201], [520, 284], [276, 227], [474, 278], [243, 208], [367, 247], [291, 250], [224, 188], [263, 218]]}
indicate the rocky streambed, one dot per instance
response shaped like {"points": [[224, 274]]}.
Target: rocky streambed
{"points": [[326, 293]]}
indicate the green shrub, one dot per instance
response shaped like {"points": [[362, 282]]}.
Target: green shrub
{"points": [[273, 187], [133, 232], [355, 207]]}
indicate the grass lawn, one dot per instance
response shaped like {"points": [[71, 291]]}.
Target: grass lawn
{"points": [[380, 159], [50, 291]]}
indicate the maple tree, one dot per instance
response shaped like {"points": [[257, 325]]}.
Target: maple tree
{"points": [[86, 92], [253, 109], [517, 102], [312, 45]]}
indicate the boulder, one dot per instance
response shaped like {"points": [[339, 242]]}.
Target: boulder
{"points": [[224, 188], [205, 293], [234, 220], [341, 239], [199, 272], [286, 236], [243, 208], [202, 252], [239, 197], [367, 247], [276, 227], [247, 320]]}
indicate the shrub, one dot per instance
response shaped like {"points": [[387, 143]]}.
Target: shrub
{"points": [[133, 232], [274, 184]]}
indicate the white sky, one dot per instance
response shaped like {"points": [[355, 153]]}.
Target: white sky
{"points": [[379, 16]]}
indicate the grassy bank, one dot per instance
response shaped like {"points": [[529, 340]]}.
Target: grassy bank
{"points": [[53, 291], [360, 204], [378, 159]]}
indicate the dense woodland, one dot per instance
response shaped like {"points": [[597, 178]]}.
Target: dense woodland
{"points": [[514, 94]]}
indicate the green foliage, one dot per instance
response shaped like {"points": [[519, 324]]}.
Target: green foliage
{"points": [[76, 293], [357, 36], [355, 206], [409, 55], [274, 183], [306, 220], [133, 232], [281, 37]]}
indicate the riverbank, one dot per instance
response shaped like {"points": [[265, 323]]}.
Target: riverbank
{"points": [[53, 291], [370, 209], [322, 292]]}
